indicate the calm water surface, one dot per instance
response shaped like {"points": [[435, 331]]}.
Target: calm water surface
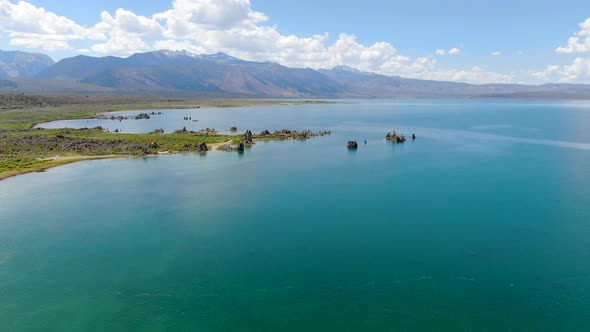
{"points": [[482, 223]]}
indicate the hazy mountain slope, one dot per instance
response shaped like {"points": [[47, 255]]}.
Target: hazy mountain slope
{"points": [[165, 70], [14, 64], [180, 72], [365, 84], [7, 84], [81, 66]]}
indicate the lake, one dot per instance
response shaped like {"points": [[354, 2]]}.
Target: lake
{"points": [[481, 223]]}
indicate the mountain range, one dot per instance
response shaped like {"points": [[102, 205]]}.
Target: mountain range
{"points": [[180, 73]]}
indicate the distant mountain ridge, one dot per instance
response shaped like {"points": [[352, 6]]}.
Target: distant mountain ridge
{"points": [[15, 64], [183, 73], [169, 71]]}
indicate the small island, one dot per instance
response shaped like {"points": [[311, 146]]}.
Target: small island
{"points": [[352, 145], [248, 139], [396, 138]]}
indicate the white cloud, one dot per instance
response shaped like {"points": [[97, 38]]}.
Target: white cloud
{"points": [[210, 26], [454, 51], [128, 22], [577, 71], [192, 17], [579, 42], [178, 45], [474, 75], [42, 42], [496, 53], [34, 27], [126, 32]]}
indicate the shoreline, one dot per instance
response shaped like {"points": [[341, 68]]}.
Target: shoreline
{"points": [[58, 161], [35, 110], [20, 127]]}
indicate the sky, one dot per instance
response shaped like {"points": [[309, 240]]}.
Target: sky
{"points": [[475, 41]]}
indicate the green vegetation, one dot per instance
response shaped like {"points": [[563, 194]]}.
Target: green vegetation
{"points": [[31, 148], [25, 149]]}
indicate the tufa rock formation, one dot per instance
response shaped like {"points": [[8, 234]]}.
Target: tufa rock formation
{"points": [[241, 147], [394, 137], [202, 147], [248, 137], [142, 116]]}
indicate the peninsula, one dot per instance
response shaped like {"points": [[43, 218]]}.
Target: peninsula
{"points": [[25, 149]]}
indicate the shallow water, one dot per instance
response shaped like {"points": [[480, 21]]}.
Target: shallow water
{"points": [[482, 223]]}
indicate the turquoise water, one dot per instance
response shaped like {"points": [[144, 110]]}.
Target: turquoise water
{"points": [[482, 223]]}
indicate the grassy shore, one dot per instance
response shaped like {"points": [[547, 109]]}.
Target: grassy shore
{"points": [[24, 149]]}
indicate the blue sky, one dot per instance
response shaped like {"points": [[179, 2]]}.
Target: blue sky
{"points": [[494, 41]]}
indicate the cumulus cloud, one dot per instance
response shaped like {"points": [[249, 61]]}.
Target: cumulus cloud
{"points": [[210, 26], [454, 51], [577, 71], [127, 32], [34, 27], [496, 53], [212, 14], [474, 75], [579, 42], [178, 45]]}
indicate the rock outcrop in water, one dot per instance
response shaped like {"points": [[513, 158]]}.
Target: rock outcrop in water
{"points": [[241, 147], [394, 137], [140, 116], [233, 129], [248, 138], [202, 147], [293, 134], [228, 148], [207, 132], [353, 145], [199, 147], [202, 132]]}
